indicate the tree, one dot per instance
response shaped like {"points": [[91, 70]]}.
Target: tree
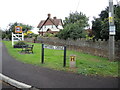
{"points": [[25, 27], [0, 33], [101, 25], [73, 26], [97, 27], [76, 17], [8, 32]]}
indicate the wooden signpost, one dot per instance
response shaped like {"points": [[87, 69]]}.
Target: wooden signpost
{"points": [[55, 48]]}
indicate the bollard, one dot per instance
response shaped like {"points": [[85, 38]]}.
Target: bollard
{"points": [[72, 61]]}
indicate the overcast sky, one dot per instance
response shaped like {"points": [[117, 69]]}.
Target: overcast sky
{"points": [[33, 11]]}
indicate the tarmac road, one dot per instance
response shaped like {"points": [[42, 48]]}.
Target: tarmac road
{"points": [[47, 78]]}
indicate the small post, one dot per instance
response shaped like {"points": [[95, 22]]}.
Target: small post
{"points": [[64, 63], [42, 54], [72, 61]]}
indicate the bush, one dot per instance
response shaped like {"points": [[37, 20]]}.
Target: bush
{"points": [[48, 35], [21, 43]]}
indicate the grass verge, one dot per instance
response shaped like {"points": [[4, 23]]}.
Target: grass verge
{"points": [[85, 63]]}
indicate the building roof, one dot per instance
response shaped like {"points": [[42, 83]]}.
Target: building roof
{"points": [[50, 21]]}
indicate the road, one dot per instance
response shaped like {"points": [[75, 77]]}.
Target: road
{"points": [[47, 78]]}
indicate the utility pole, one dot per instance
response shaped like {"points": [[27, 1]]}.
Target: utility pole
{"points": [[111, 32]]}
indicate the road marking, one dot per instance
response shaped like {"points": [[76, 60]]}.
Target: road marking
{"points": [[14, 82]]}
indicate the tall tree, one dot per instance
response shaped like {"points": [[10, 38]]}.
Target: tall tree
{"points": [[8, 33], [101, 25], [25, 27], [74, 25], [97, 27], [0, 33]]}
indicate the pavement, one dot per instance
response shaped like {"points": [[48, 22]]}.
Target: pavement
{"points": [[40, 77]]}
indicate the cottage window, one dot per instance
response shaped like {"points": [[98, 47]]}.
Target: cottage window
{"points": [[44, 26]]}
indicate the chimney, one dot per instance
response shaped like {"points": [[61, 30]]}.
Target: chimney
{"points": [[49, 15], [54, 17]]}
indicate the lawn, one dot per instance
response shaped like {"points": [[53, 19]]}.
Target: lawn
{"points": [[85, 63]]}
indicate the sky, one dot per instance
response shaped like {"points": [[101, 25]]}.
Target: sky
{"points": [[31, 12]]}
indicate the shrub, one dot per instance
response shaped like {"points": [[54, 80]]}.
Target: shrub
{"points": [[21, 43], [48, 35]]}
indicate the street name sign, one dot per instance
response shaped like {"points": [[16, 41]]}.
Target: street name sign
{"points": [[54, 47]]}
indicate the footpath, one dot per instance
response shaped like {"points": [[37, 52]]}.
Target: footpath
{"points": [[40, 77]]}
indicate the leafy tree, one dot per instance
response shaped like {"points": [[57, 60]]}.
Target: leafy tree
{"points": [[97, 27], [25, 27], [101, 24], [8, 33], [0, 33], [74, 26], [76, 17], [117, 22]]}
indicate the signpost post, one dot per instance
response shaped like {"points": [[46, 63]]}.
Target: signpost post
{"points": [[64, 65], [56, 48], [42, 54]]}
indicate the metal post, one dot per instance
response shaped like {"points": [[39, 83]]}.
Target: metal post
{"points": [[64, 63], [111, 32], [42, 54]]}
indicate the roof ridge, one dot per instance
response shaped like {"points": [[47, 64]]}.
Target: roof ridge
{"points": [[53, 21]]}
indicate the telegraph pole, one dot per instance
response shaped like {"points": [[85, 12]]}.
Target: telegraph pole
{"points": [[111, 32]]}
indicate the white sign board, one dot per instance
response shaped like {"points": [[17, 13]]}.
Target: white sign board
{"points": [[112, 30], [54, 47]]}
